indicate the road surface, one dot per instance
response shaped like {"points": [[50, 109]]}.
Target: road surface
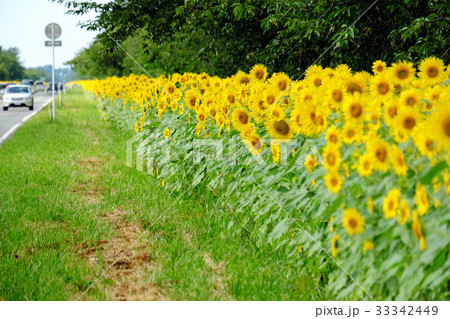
{"points": [[15, 116]]}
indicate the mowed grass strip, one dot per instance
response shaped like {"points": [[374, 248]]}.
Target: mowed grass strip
{"points": [[70, 207]]}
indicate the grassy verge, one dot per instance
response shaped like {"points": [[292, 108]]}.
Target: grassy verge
{"points": [[69, 206]]}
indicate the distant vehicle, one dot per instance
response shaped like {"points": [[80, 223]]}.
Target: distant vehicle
{"points": [[56, 87], [18, 95], [2, 89], [39, 86], [27, 81]]}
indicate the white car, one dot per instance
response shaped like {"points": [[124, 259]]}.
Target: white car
{"points": [[18, 95]]}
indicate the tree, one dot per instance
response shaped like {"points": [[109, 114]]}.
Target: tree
{"points": [[285, 35], [10, 67]]}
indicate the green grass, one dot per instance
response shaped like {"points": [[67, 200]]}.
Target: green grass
{"points": [[44, 222]]}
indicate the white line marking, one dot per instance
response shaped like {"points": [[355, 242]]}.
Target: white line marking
{"points": [[26, 118]]}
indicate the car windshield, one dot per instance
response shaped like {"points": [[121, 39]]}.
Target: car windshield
{"points": [[17, 89]]}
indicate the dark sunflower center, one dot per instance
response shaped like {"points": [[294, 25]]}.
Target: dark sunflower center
{"points": [[282, 85], [352, 223], [356, 110], [337, 95], [392, 111], [192, 101], [432, 72], [171, 89], [281, 127], [243, 118], [317, 82], [446, 127], [411, 101], [333, 138], [402, 74], [230, 98], [391, 205], [334, 181], [380, 154], [270, 99], [201, 117], [383, 88], [354, 87], [380, 68], [259, 74], [350, 133], [245, 80], [366, 165], [409, 122], [331, 159], [261, 105]]}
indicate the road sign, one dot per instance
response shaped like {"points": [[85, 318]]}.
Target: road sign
{"points": [[55, 43], [53, 31]]}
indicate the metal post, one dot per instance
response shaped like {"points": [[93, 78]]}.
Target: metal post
{"points": [[53, 70]]}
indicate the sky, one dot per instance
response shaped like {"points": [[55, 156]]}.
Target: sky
{"points": [[22, 25]]}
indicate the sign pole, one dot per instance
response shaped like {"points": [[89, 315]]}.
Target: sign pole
{"points": [[53, 32], [53, 71]]}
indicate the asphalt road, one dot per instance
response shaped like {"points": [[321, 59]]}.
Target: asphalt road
{"points": [[16, 115]]}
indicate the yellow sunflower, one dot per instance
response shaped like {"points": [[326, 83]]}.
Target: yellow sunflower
{"points": [[270, 96], [333, 136], [275, 112], [351, 133], [431, 71], [426, 143], [275, 148], [439, 124], [166, 133], [421, 199], [230, 97], [334, 245], [398, 161], [192, 99], [391, 111], [333, 182], [407, 120], [280, 81], [403, 212], [258, 72], [368, 245], [335, 93], [411, 98], [403, 72], [378, 67], [296, 119], [240, 119], [390, 203], [254, 144], [379, 151], [353, 221], [310, 162], [332, 157], [355, 107], [381, 88], [279, 129], [201, 116], [365, 166], [241, 78]]}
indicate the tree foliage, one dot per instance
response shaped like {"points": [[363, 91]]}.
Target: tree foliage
{"points": [[285, 35], [10, 67]]}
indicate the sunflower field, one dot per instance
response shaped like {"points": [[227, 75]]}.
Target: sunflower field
{"points": [[346, 172]]}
